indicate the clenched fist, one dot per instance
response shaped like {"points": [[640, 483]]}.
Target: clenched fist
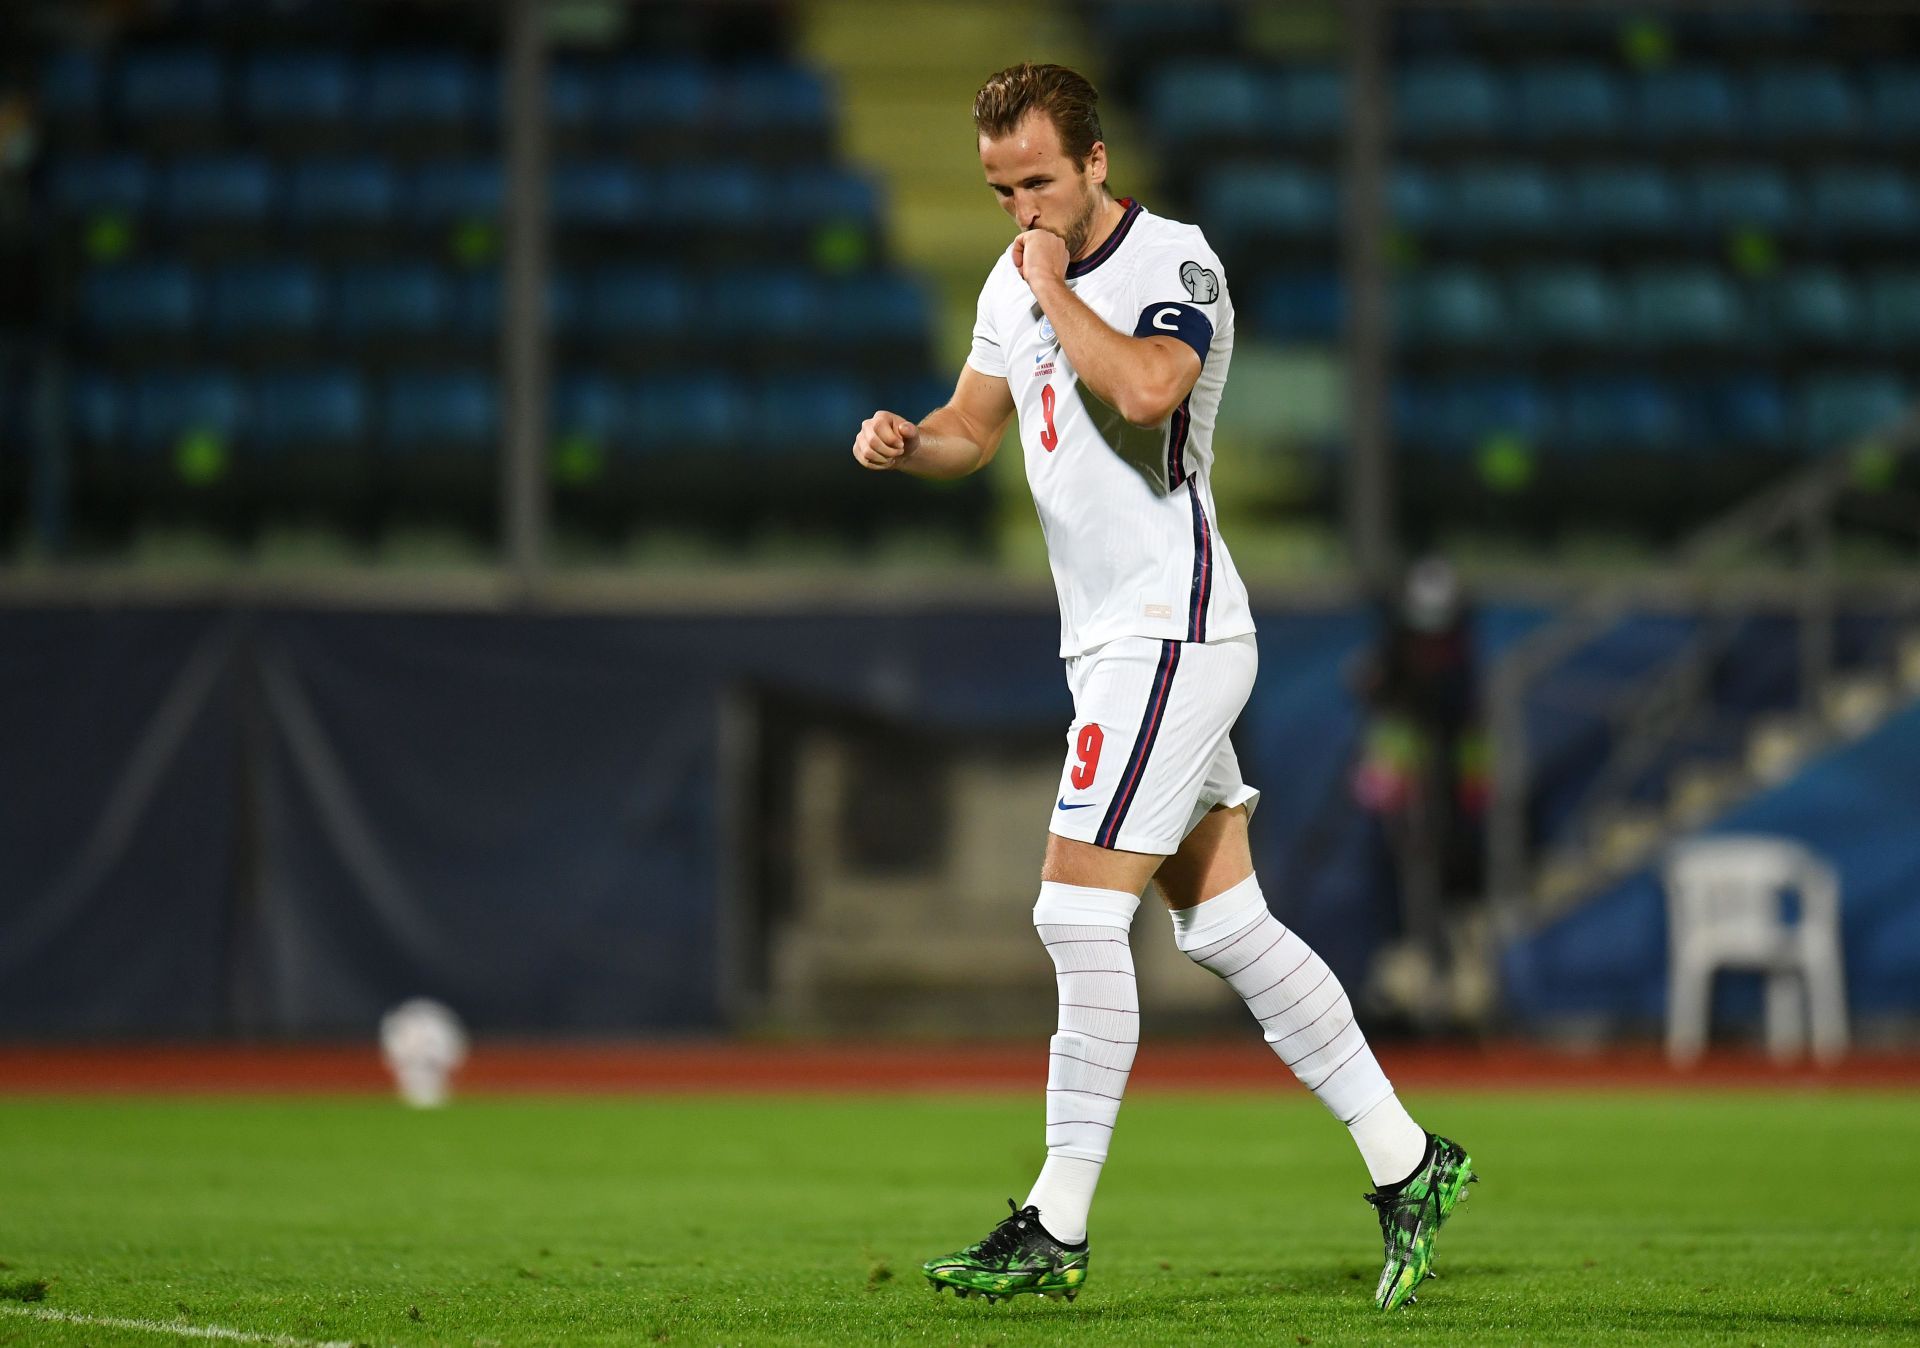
{"points": [[884, 440], [1040, 256]]}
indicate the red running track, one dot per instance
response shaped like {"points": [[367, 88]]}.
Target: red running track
{"points": [[737, 1067]]}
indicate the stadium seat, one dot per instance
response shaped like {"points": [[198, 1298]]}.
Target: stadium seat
{"points": [[440, 90], [769, 98], [1838, 408], [758, 306], [1204, 100], [392, 300], [1668, 306], [226, 190], [1893, 309], [265, 299], [593, 406], [813, 195], [478, 305], [1451, 306], [1864, 201], [170, 86], [328, 193], [1893, 102], [167, 404], [440, 411], [141, 299], [1307, 306], [1638, 200], [628, 300], [1605, 413], [1413, 198], [879, 309], [96, 408], [696, 410], [1466, 412], [1268, 201], [600, 194], [1803, 102], [72, 86], [1448, 100], [297, 89], [87, 185], [1562, 305], [729, 197], [1564, 101], [646, 96], [1687, 103], [1502, 200], [1304, 103], [1751, 196], [1816, 304], [309, 409], [1742, 412], [573, 97], [810, 411], [450, 190]]}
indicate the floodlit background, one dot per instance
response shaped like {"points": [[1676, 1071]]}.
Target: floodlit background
{"points": [[431, 563]]}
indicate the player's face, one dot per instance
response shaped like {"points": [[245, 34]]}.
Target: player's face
{"points": [[1038, 184]]}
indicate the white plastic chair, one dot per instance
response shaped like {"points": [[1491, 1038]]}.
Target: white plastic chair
{"points": [[1726, 909]]}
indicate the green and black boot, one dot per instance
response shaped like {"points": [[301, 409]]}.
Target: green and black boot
{"points": [[1017, 1256], [1411, 1215]]}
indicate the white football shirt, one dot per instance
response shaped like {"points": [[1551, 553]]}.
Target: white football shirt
{"points": [[1127, 511]]}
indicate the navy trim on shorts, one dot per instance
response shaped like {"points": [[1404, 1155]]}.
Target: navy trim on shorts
{"points": [[1142, 746], [1106, 250], [1202, 569]]}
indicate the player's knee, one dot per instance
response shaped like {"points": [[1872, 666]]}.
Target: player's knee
{"points": [[1063, 905]]}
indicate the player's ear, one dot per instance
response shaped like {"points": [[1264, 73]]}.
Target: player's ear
{"points": [[1097, 163]]}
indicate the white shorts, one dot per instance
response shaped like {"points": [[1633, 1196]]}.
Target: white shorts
{"points": [[1148, 753]]}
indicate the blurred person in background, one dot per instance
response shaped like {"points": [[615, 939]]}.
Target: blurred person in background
{"points": [[1108, 331]]}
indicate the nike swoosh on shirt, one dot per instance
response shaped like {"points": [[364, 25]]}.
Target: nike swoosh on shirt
{"points": [[1081, 805]]}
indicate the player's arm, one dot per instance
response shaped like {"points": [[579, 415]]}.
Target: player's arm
{"points": [[1143, 377], [948, 442]]}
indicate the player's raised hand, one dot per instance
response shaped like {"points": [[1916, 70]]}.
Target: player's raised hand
{"points": [[1039, 257], [884, 440]]}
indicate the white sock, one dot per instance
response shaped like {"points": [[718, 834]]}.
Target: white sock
{"points": [[1085, 932], [1304, 1013], [1392, 1143]]}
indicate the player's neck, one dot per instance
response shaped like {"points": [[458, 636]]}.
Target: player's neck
{"points": [[1106, 219]]}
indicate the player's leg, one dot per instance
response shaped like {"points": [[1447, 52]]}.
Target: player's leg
{"points": [[1222, 922]]}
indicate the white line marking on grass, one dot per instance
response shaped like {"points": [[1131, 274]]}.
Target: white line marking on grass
{"points": [[177, 1331]]}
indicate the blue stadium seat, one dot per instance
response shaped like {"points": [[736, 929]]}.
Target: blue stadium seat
{"points": [[178, 84], [1446, 100], [266, 298], [624, 300], [1755, 196], [393, 300], [758, 304], [813, 195], [1309, 306], [1743, 411], [1683, 306], [716, 196], [440, 90], [600, 193], [1893, 101], [645, 96], [309, 409], [573, 96], [294, 88], [458, 189], [141, 298], [96, 408], [1452, 306], [330, 192], [1561, 305], [72, 86], [479, 299], [1602, 414], [169, 404], [1803, 102], [760, 98], [225, 190], [811, 410], [593, 406], [880, 308], [1269, 200], [1688, 103], [1837, 408], [1893, 309], [694, 410], [1637, 199], [1304, 103], [1561, 101], [1864, 201], [443, 410], [1816, 304], [1502, 200], [1195, 100], [115, 182], [1466, 412], [1414, 198]]}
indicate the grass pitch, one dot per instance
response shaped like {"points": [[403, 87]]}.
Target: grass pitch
{"points": [[1631, 1219]]}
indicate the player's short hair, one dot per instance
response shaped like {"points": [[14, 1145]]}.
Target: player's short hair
{"points": [[1063, 95]]}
